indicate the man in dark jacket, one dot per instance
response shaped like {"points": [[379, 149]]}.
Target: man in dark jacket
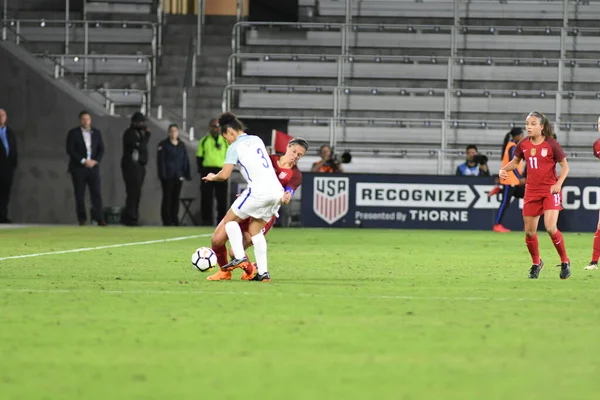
{"points": [[8, 164], [85, 149], [133, 166], [173, 167]]}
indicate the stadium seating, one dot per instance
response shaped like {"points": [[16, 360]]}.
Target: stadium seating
{"points": [[507, 9], [121, 54], [119, 6]]}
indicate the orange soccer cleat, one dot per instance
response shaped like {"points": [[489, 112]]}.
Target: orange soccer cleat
{"points": [[500, 228], [220, 276], [249, 272]]}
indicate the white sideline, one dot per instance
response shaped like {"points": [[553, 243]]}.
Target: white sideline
{"points": [[292, 294], [110, 246]]}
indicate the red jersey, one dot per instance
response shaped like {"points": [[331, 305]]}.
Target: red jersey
{"points": [[290, 178], [540, 160]]}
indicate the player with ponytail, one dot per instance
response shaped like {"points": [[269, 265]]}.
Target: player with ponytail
{"points": [[543, 196]]}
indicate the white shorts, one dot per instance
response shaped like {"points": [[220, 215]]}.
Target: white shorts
{"points": [[264, 207]]}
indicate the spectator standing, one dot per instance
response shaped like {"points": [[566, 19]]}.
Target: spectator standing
{"points": [[513, 185], [133, 166], [8, 164], [85, 149], [475, 164], [210, 158], [173, 167]]}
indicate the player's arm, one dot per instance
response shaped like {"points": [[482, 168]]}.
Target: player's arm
{"points": [[564, 171], [292, 185], [517, 156], [512, 156], [231, 159], [222, 175], [295, 181], [511, 166], [561, 159]]}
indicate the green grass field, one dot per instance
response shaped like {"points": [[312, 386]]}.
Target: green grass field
{"points": [[350, 314]]}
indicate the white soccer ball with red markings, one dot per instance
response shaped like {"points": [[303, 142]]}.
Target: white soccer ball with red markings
{"points": [[204, 259]]}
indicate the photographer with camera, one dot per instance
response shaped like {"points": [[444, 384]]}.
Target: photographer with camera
{"points": [[329, 162], [475, 165]]}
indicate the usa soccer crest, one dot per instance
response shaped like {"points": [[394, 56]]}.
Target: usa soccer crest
{"points": [[331, 198], [544, 152]]}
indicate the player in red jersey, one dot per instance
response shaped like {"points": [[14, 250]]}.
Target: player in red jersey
{"points": [[596, 245], [290, 178], [542, 189]]}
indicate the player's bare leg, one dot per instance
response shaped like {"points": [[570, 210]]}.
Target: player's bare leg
{"points": [[595, 249], [531, 224], [550, 220]]}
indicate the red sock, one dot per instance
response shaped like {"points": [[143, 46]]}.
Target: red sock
{"points": [[221, 252], [532, 246], [596, 251], [559, 244]]}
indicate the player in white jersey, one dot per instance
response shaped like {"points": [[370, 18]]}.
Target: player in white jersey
{"points": [[259, 202]]}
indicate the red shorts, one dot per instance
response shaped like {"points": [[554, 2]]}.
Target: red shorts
{"points": [[245, 223], [534, 204]]}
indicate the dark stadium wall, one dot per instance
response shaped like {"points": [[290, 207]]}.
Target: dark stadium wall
{"points": [[41, 111], [44, 5]]}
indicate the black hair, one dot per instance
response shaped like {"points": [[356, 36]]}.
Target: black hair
{"points": [[172, 126], [507, 138], [229, 120], [82, 113], [211, 121], [547, 129], [300, 142], [471, 146]]}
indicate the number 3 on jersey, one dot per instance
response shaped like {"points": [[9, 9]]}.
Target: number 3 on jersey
{"points": [[533, 163], [262, 155]]}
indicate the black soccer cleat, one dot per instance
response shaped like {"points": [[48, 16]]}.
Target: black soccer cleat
{"points": [[565, 270], [266, 277], [534, 272], [235, 263]]}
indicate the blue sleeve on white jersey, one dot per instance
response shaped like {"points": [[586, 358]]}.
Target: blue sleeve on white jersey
{"points": [[231, 157]]}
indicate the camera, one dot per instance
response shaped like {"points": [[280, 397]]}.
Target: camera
{"points": [[480, 159], [335, 161]]}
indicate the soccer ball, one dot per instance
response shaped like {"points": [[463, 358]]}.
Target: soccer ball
{"points": [[204, 259]]}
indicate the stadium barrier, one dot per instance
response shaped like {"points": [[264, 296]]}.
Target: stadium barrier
{"points": [[431, 202]]}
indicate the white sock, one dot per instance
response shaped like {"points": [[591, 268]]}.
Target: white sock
{"points": [[236, 241], [260, 252]]}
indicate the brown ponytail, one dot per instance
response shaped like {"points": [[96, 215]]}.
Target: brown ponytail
{"points": [[547, 128]]}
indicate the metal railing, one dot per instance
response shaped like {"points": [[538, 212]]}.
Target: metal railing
{"points": [[189, 82], [440, 152], [19, 24], [200, 26], [109, 101], [70, 29], [59, 62], [453, 30], [59, 71]]}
